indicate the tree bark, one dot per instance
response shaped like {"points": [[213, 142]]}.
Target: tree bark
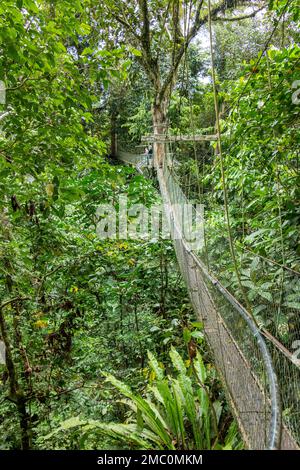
{"points": [[24, 419], [15, 395], [159, 117]]}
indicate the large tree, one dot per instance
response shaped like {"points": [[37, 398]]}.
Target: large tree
{"points": [[160, 32]]}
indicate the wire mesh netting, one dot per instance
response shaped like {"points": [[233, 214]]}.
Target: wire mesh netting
{"points": [[239, 351], [243, 356], [287, 370], [131, 158], [272, 289], [140, 161]]}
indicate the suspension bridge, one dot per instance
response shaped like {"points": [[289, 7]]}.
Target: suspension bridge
{"points": [[260, 372], [259, 375]]}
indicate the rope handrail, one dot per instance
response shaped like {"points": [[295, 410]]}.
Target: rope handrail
{"points": [[237, 404], [274, 438]]}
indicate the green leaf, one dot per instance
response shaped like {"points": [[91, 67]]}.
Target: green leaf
{"points": [[159, 373], [177, 361]]}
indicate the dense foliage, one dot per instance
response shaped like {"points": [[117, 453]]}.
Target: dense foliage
{"points": [[177, 413], [87, 321]]}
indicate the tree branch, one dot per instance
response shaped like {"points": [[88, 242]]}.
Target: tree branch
{"points": [[127, 26], [243, 17], [15, 299], [145, 37], [198, 22]]}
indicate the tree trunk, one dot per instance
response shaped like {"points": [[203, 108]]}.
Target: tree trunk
{"points": [[24, 419], [15, 394], [159, 129]]}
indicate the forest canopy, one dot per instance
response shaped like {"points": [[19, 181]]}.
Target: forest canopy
{"points": [[100, 347]]}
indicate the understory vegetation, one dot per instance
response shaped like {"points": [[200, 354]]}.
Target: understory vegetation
{"points": [[99, 345]]}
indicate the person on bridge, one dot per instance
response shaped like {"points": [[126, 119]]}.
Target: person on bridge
{"points": [[150, 156]]}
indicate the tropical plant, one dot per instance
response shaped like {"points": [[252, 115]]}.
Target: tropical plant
{"points": [[176, 412]]}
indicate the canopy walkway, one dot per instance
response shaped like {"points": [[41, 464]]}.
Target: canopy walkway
{"points": [[260, 374], [248, 359]]}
